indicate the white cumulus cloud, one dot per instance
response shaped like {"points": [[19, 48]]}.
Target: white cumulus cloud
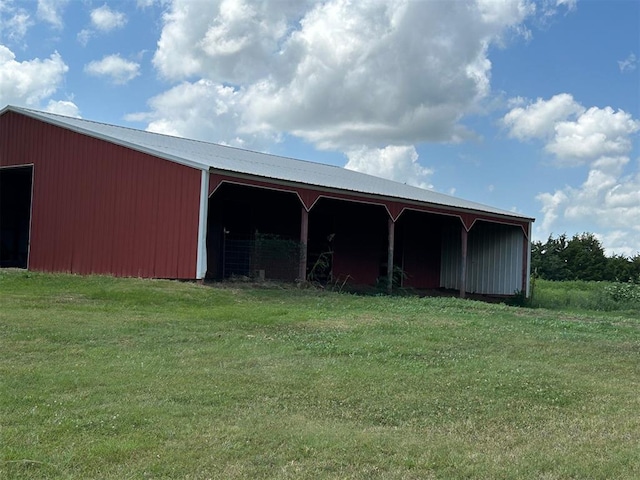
{"points": [[621, 242], [84, 36], [116, 69], [572, 133], [227, 41], [30, 81], [204, 110], [104, 19], [600, 139], [538, 119], [14, 21], [605, 200], [63, 107], [379, 73], [629, 64], [595, 133], [339, 74], [399, 163], [51, 11]]}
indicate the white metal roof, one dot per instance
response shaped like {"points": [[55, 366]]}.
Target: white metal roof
{"points": [[205, 156]]}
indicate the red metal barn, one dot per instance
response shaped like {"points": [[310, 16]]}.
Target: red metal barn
{"points": [[85, 197]]}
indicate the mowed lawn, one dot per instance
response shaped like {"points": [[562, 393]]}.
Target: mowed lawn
{"points": [[123, 378]]}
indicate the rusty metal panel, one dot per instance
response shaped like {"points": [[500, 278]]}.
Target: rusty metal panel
{"points": [[103, 208]]}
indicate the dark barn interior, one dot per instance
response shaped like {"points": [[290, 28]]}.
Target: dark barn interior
{"points": [[419, 237], [255, 233], [15, 216], [352, 236]]}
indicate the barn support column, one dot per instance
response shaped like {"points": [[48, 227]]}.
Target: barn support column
{"points": [[390, 243], [463, 262], [201, 255], [304, 240]]}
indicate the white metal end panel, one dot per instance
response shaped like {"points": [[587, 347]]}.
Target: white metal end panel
{"points": [[201, 267], [495, 259]]}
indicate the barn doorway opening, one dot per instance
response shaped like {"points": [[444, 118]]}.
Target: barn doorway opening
{"points": [[15, 216], [419, 246], [347, 242], [253, 233]]}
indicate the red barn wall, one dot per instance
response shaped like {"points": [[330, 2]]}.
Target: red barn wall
{"points": [[99, 208]]}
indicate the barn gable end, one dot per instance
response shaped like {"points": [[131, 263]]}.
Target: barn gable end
{"points": [[100, 208]]}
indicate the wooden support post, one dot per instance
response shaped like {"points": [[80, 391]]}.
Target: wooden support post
{"points": [[463, 263], [304, 238], [391, 242]]}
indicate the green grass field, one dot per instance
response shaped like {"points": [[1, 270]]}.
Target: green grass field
{"points": [[122, 378]]}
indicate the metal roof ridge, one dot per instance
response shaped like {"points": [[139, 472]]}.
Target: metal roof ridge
{"points": [[46, 117], [41, 113], [64, 121]]}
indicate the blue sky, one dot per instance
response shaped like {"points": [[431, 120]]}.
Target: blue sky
{"points": [[528, 106]]}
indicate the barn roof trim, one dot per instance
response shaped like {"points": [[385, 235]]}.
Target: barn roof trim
{"points": [[207, 156]]}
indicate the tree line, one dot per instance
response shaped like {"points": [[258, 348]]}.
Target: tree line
{"points": [[581, 257]]}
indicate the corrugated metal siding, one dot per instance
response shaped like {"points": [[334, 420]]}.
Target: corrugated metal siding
{"points": [[450, 260], [494, 259], [102, 208]]}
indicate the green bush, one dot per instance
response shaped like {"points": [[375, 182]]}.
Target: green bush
{"points": [[625, 293]]}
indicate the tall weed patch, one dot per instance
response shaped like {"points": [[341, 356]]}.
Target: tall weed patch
{"points": [[582, 295]]}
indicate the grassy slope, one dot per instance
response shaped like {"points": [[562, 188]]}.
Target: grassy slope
{"points": [[106, 378]]}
